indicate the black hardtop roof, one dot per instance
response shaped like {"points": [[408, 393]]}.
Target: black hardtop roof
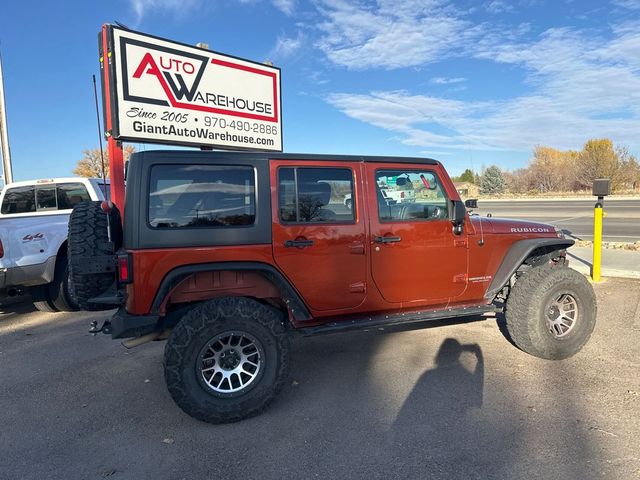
{"points": [[186, 155]]}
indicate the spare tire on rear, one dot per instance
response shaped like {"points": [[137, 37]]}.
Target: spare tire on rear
{"points": [[88, 244]]}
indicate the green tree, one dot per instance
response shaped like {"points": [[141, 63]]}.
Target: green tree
{"points": [[492, 181], [467, 176]]}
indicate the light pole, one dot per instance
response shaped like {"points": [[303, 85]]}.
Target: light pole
{"points": [[4, 134]]}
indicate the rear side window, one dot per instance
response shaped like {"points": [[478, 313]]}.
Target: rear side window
{"points": [[191, 196], [315, 195], [19, 200], [70, 194]]}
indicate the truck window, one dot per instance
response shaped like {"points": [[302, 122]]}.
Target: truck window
{"points": [[191, 196], [410, 195], [19, 200], [315, 195], [46, 198], [70, 194]]}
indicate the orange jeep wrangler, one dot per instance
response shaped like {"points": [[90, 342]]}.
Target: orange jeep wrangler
{"points": [[229, 254]]}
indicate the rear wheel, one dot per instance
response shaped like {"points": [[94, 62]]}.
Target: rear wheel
{"points": [[227, 359], [42, 299], [60, 291], [551, 312]]}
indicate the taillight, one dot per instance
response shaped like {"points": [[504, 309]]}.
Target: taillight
{"points": [[401, 194], [125, 275], [1, 250]]}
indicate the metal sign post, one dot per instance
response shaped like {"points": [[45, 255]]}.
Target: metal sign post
{"points": [[114, 148], [601, 188]]}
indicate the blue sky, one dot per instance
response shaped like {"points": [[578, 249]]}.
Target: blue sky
{"points": [[472, 83]]}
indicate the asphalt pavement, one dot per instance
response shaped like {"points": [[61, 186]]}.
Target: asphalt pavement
{"points": [[456, 402], [575, 217]]}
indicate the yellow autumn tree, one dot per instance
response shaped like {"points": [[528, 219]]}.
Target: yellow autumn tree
{"points": [[90, 165]]}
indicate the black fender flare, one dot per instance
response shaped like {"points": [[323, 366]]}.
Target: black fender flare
{"points": [[517, 254], [292, 298]]}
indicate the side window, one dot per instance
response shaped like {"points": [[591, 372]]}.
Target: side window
{"points": [[315, 195], [409, 195], [70, 194], [19, 200], [201, 196]]}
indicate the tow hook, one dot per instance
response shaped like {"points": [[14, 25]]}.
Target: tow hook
{"points": [[105, 328]]}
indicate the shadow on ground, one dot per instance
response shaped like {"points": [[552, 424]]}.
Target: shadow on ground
{"points": [[455, 402]]}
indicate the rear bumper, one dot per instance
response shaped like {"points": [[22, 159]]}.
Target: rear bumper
{"points": [[29, 275], [124, 325]]}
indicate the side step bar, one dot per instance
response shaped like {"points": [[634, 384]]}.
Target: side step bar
{"points": [[396, 319]]}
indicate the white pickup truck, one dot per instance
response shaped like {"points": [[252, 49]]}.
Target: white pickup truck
{"points": [[34, 218]]}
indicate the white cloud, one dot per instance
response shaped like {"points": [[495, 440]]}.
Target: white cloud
{"points": [[498, 6], [285, 6], [630, 4], [142, 7], [447, 80], [286, 47], [390, 34]]}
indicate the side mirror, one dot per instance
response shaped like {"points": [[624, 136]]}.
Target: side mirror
{"points": [[459, 212], [471, 203]]}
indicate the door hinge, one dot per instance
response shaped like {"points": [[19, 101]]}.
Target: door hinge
{"points": [[460, 278]]}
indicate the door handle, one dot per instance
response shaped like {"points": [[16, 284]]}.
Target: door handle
{"points": [[298, 243], [387, 239]]}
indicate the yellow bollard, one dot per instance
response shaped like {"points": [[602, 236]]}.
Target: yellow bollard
{"points": [[597, 242]]}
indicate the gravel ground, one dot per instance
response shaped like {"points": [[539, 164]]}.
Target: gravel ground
{"points": [[452, 402]]}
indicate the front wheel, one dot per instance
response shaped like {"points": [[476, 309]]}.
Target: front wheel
{"points": [[551, 312], [227, 359]]}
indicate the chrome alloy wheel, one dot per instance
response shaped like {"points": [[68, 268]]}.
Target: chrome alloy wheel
{"points": [[231, 362], [562, 315]]}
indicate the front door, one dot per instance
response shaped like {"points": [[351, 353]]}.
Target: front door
{"points": [[319, 231], [415, 256]]}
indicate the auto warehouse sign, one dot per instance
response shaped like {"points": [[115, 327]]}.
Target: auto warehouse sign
{"points": [[167, 92]]}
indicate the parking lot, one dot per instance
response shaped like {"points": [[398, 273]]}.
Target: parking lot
{"points": [[451, 402]]}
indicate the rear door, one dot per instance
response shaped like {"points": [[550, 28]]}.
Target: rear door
{"points": [[415, 256], [318, 241]]}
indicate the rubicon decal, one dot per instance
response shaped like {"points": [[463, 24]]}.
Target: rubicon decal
{"points": [[529, 230], [166, 92]]}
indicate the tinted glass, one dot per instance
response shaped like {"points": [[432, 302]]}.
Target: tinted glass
{"points": [[201, 196], [19, 200], [70, 194], [315, 195], [46, 198], [410, 195]]}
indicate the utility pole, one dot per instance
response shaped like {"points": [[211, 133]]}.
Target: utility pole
{"points": [[4, 134]]}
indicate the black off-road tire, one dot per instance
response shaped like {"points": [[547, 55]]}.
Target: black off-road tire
{"points": [[202, 324], [88, 237], [528, 304]]}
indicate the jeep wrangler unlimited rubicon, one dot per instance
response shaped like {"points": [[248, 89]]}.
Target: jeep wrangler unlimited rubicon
{"points": [[228, 254]]}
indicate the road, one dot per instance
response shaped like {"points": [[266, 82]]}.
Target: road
{"points": [[622, 223], [358, 405]]}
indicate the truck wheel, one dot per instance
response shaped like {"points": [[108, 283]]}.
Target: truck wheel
{"points": [[227, 359], [42, 299], [60, 293], [88, 237], [551, 312]]}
